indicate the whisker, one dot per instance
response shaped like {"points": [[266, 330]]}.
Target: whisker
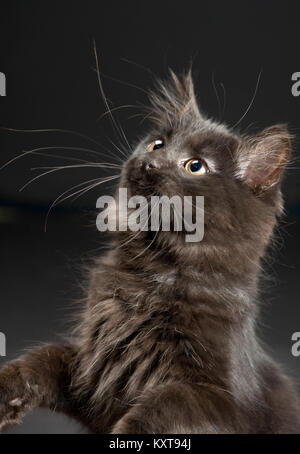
{"points": [[153, 239], [137, 65], [138, 232], [125, 138], [136, 116], [56, 156], [104, 180], [224, 100], [36, 150], [147, 247], [125, 83], [125, 106], [145, 117], [118, 148], [102, 90], [52, 170], [216, 92], [60, 199], [118, 128], [76, 186], [67, 131], [83, 190], [106, 165], [251, 102]]}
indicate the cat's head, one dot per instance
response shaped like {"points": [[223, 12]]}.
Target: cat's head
{"points": [[187, 154]]}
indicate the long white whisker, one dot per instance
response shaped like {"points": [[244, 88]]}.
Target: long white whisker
{"points": [[67, 131], [138, 232], [118, 148], [106, 165], [117, 127], [126, 83], [224, 100], [36, 150], [76, 186], [251, 102], [126, 106], [153, 239], [138, 65], [55, 169], [104, 180], [60, 199], [216, 92], [125, 138], [101, 88], [147, 247], [56, 156]]}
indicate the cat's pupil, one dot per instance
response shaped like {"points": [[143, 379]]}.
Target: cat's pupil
{"points": [[158, 144], [195, 166]]}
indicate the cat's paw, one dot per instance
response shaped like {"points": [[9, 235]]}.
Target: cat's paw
{"points": [[16, 396]]}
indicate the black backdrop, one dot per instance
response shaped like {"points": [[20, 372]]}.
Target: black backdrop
{"points": [[46, 53]]}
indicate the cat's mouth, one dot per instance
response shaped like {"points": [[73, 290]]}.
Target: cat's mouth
{"points": [[143, 178]]}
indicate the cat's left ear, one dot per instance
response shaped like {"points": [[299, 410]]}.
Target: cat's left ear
{"points": [[263, 157], [184, 95], [174, 101]]}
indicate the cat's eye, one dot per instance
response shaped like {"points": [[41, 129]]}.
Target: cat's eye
{"points": [[196, 167], [156, 145]]}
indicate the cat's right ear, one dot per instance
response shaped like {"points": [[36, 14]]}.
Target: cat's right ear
{"points": [[263, 157]]}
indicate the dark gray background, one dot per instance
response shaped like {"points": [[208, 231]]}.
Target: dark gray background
{"points": [[46, 53]]}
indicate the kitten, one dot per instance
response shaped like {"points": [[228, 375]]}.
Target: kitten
{"points": [[167, 340]]}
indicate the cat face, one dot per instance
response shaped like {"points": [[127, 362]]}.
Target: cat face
{"points": [[180, 162], [187, 154]]}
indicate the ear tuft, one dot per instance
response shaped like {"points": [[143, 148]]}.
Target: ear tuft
{"points": [[174, 101], [263, 157]]}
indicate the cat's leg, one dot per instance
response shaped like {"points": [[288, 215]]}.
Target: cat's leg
{"points": [[40, 378], [180, 408]]}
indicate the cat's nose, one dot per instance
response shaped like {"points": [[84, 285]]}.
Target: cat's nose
{"points": [[150, 165]]}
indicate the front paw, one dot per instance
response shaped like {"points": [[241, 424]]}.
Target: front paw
{"points": [[16, 395]]}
